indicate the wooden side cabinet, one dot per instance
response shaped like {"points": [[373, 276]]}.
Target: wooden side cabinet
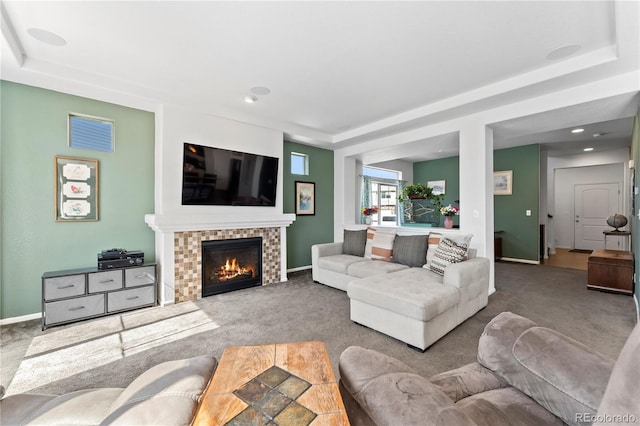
{"points": [[79, 294], [610, 270]]}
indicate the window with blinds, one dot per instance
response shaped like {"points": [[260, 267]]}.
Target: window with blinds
{"points": [[90, 133]]}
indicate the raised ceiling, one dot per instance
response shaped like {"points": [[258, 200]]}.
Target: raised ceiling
{"points": [[339, 73]]}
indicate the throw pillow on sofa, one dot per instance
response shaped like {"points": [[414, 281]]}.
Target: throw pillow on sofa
{"points": [[379, 244], [354, 242], [447, 253], [434, 241], [410, 250]]}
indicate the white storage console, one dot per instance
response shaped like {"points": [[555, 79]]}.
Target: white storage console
{"points": [[79, 294]]}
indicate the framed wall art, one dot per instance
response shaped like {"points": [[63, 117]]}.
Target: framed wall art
{"points": [[76, 189], [437, 186], [503, 182], [305, 198]]}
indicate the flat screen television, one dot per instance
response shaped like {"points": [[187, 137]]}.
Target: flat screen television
{"points": [[220, 177]]}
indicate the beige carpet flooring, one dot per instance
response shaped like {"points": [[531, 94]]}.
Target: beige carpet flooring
{"points": [[111, 351]]}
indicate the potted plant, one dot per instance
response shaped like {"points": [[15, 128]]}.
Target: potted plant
{"points": [[367, 212], [416, 191], [448, 212]]}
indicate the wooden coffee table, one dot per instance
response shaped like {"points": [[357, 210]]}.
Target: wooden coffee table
{"points": [[285, 384]]}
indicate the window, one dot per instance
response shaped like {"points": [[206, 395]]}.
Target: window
{"points": [[299, 164], [375, 172], [384, 194], [90, 133]]}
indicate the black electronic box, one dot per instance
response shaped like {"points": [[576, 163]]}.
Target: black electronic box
{"points": [[119, 258]]}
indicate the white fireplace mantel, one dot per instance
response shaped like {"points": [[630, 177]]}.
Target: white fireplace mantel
{"points": [[206, 222]]}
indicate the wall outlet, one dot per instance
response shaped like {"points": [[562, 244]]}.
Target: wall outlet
{"points": [[528, 212]]}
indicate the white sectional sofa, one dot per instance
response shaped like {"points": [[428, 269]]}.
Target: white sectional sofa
{"points": [[398, 289]]}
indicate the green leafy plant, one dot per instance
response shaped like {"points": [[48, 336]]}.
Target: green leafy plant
{"points": [[420, 192], [415, 191]]}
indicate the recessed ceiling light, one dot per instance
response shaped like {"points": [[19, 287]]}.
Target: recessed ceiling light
{"points": [[577, 130], [260, 90], [47, 37], [588, 149], [251, 99], [563, 51]]}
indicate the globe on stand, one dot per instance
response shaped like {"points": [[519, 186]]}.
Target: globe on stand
{"points": [[617, 220]]}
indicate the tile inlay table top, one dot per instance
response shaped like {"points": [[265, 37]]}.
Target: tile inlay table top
{"points": [[280, 384]]}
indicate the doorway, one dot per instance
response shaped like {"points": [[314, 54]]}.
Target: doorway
{"points": [[593, 203]]}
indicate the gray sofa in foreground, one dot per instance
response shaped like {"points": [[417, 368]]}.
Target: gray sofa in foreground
{"points": [[166, 394], [403, 297], [525, 375]]}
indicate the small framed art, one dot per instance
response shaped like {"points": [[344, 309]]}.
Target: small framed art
{"points": [[305, 198], [76, 189], [503, 182], [437, 186]]}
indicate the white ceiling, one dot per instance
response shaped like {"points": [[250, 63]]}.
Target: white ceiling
{"points": [[340, 73]]}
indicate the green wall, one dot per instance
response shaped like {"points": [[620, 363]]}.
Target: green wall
{"points": [[308, 230], [520, 233], [444, 168], [635, 221], [34, 130]]}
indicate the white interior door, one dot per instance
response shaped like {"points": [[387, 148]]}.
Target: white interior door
{"points": [[592, 205]]}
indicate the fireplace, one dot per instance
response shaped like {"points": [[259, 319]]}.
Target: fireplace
{"points": [[231, 264]]}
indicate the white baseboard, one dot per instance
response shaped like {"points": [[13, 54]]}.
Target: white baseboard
{"points": [[530, 262], [635, 299], [300, 268], [22, 318]]}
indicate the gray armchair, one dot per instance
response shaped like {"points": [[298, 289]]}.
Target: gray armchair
{"points": [[525, 375], [166, 394]]}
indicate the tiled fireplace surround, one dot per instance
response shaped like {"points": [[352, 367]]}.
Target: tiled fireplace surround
{"points": [[188, 257], [179, 249]]}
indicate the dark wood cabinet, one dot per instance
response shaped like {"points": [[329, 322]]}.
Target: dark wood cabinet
{"points": [[611, 270], [497, 248]]}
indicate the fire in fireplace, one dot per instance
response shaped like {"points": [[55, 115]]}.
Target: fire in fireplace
{"points": [[231, 264], [232, 270]]}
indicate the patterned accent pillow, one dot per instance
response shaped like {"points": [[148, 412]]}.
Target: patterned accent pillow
{"points": [[369, 244], [379, 244], [447, 253]]}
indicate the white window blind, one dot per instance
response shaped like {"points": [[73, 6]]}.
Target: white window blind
{"points": [[90, 133]]}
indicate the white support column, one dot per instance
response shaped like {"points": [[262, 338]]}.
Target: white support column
{"points": [[476, 188], [345, 197], [283, 254], [166, 266]]}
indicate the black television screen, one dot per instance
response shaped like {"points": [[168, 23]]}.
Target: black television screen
{"points": [[220, 177]]}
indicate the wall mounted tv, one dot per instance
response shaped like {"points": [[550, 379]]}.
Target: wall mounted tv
{"points": [[220, 177]]}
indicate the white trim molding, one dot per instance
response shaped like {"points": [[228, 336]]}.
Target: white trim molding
{"points": [[512, 259], [23, 318]]}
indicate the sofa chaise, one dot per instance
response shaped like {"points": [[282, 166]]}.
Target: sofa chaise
{"points": [[524, 375], [415, 288], [166, 394]]}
